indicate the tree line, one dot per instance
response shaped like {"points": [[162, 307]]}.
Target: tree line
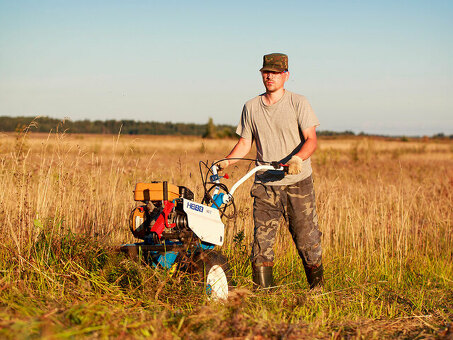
{"points": [[130, 127], [133, 127]]}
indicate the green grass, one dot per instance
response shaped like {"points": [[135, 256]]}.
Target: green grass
{"points": [[71, 286]]}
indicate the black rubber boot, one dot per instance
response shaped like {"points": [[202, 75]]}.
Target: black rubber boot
{"points": [[315, 276], [262, 276]]}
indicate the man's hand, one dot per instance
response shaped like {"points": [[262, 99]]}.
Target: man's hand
{"points": [[223, 164], [294, 165]]}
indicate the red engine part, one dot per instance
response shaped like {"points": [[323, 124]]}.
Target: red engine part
{"points": [[162, 220]]}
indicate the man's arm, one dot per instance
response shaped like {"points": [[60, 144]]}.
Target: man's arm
{"points": [[241, 149], [310, 144], [307, 149]]}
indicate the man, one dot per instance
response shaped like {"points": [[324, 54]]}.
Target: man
{"points": [[283, 126]]}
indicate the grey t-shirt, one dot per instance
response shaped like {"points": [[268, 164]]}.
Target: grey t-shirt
{"points": [[277, 131]]}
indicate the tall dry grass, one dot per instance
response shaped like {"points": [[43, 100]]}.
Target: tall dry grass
{"points": [[385, 210], [371, 205]]}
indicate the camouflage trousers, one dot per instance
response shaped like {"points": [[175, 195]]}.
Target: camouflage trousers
{"points": [[295, 202]]}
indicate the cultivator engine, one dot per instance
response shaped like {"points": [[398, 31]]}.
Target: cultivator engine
{"points": [[166, 213]]}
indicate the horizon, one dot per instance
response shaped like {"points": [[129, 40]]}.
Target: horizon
{"points": [[382, 68], [438, 134]]}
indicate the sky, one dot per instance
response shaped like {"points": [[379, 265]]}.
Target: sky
{"points": [[381, 67]]}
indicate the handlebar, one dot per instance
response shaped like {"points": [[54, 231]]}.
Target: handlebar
{"points": [[225, 198]]}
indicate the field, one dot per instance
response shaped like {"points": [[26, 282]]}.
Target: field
{"points": [[385, 209]]}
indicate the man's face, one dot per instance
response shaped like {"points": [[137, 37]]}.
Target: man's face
{"points": [[274, 81]]}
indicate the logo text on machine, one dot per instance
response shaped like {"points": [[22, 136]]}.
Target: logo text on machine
{"points": [[194, 206]]}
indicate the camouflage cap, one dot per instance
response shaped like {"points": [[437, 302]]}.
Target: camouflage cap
{"points": [[275, 62]]}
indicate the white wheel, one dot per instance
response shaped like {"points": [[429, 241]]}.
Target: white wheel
{"points": [[216, 283], [215, 272]]}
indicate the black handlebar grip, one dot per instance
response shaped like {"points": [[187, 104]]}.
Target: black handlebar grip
{"points": [[278, 165]]}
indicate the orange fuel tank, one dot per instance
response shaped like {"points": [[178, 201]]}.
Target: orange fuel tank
{"points": [[155, 191]]}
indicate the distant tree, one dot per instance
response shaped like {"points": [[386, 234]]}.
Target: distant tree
{"points": [[439, 135], [226, 132], [211, 130]]}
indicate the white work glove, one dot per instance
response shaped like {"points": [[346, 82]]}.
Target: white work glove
{"points": [[222, 165], [294, 165]]}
